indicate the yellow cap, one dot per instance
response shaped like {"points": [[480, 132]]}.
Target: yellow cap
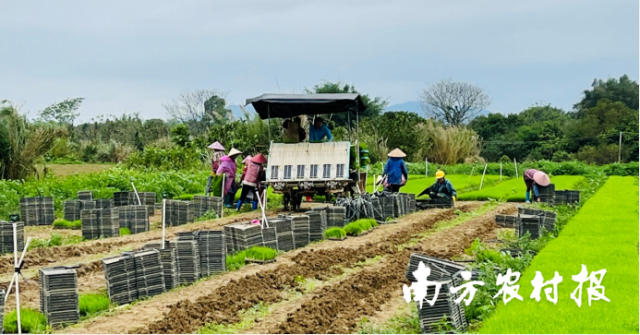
{"points": [[439, 174]]}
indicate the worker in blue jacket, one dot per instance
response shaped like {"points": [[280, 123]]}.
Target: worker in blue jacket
{"points": [[442, 188], [318, 131], [395, 171]]}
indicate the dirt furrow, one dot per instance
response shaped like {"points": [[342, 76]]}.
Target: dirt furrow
{"points": [[187, 316], [340, 307]]}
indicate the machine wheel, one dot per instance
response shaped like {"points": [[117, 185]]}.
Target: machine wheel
{"points": [[328, 197], [296, 200]]}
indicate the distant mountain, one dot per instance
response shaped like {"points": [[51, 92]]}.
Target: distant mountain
{"points": [[414, 106], [409, 106]]}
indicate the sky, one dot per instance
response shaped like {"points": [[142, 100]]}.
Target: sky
{"points": [[133, 56]]}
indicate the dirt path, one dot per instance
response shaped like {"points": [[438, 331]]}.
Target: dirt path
{"points": [[339, 308], [89, 255], [228, 293]]}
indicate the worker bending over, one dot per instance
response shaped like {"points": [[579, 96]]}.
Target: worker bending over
{"points": [[442, 188], [532, 179]]}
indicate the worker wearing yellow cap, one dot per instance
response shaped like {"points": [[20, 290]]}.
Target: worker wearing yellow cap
{"points": [[442, 188]]}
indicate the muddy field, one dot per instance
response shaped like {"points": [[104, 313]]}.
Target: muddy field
{"points": [[326, 287]]}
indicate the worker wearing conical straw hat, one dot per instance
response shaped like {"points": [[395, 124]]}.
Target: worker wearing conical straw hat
{"points": [[533, 179], [442, 188], [214, 180], [228, 168], [395, 171], [251, 182]]}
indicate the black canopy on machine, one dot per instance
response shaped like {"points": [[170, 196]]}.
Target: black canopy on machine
{"points": [[290, 105]]}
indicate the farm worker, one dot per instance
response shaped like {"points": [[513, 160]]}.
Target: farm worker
{"points": [[395, 171], [319, 131], [534, 178], [294, 132], [442, 188], [228, 167], [245, 164], [218, 152], [251, 182]]}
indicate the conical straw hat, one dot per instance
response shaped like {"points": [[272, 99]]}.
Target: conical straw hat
{"points": [[216, 146], [541, 178], [397, 153], [234, 152], [259, 158]]}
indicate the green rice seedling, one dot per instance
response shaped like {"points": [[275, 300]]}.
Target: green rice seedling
{"points": [[185, 197], [32, 322], [602, 235], [235, 261], [208, 215], [514, 189], [261, 253], [124, 231], [62, 223], [93, 303], [353, 228], [335, 232], [55, 241]]}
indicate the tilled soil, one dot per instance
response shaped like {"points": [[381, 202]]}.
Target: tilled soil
{"points": [[222, 305], [339, 308]]}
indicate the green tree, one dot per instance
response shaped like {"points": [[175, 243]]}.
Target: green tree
{"points": [[454, 103], [180, 135], [622, 90], [399, 128], [375, 106], [199, 110], [64, 112]]}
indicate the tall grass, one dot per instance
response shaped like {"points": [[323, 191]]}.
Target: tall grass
{"points": [[23, 143], [446, 145]]}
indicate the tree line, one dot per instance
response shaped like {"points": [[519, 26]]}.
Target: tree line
{"points": [[601, 128]]}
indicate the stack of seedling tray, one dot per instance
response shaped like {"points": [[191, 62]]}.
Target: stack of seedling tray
{"points": [[270, 237], [146, 198], [98, 223], [212, 252], [335, 216], [397, 204], [6, 236], [37, 211], [59, 295], [121, 199], [179, 212], [317, 225], [300, 225], [378, 214], [529, 223], [284, 233], [241, 236], [135, 218], [547, 193], [439, 268], [88, 204], [84, 195], [2, 293], [104, 203], [508, 221], [187, 260], [203, 204], [119, 272], [149, 277], [434, 203], [547, 218], [445, 306], [388, 209], [72, 210], [169, 266], [567, 197]]}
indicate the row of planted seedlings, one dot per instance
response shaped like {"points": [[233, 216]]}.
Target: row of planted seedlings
{"points": [[533, 227]]}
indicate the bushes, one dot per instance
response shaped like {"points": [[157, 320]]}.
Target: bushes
{"points": [[31, 321], [335, 232], [62, 223], [93, 303], [356, 228]]}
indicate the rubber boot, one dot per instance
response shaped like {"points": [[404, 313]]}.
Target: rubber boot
{"points": [[239, 205], [254, 205], [309, 198]]}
